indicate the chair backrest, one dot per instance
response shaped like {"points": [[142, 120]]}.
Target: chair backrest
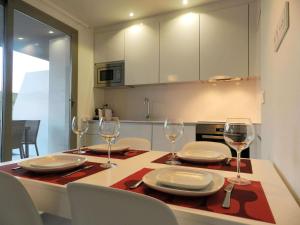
{"points": [[208, 145], [136, 143], [32, 132], [94, 205], [18, 133], [16, 206]]}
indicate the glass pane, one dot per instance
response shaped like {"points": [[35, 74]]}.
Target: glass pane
{"points": [[1, 64], [41, 87]]}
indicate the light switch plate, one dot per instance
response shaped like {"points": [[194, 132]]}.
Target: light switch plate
{"points": [[282, 27]]}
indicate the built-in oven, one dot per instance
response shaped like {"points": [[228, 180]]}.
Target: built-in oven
{"points": [[109, 74], [214, 132]]}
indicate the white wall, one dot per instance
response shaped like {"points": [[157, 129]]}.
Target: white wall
{"points": [[85, 54], [189, 101], [280, 80]]}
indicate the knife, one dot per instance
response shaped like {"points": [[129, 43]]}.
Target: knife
{"points": [[75, 171]]}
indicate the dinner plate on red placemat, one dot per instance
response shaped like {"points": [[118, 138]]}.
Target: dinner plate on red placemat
{"points": [[151, 179], [197, 155], [54, 163], [103, 148]]}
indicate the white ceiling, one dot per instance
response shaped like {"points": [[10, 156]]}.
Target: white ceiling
{"points": [[105, 12]]}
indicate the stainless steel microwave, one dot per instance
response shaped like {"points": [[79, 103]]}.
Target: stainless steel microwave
{"points": [[109, 74]]}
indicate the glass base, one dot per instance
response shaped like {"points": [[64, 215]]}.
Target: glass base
{"points": [[173, 162], [81, 152], [109, 165], [238, 181]]}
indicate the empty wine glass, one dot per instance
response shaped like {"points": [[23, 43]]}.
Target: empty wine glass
{"points": [[173, 130], [109, 131], [239, 134], [80, 126]]}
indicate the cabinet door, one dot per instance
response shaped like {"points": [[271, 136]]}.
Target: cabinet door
{"points": [[224, 42], [92, 136], [142, 53], [160, 143], [109, 46], [140, 130], [179, 48]]}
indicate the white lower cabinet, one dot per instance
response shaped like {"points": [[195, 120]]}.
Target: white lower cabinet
{"points": [[92, 136], [153, 132], [140, 130], [159, 141]]}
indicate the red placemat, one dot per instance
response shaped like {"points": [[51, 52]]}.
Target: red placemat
{"points": [[247, 202], [116, 155], [246, 166], [55, 178]]}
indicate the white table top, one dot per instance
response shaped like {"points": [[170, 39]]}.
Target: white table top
{"points": [[53, 198]]}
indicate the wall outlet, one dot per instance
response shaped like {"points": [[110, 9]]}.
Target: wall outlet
{"points": [[282, 27]]}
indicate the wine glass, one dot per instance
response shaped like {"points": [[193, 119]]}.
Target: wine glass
{"points": [[173, 130], [239, 134], [109, 131], [80, 126]]}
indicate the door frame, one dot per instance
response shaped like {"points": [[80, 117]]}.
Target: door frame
{"points": [[9, 7]]}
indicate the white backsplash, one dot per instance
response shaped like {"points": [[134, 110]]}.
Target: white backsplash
{"points": [[189, 101]]}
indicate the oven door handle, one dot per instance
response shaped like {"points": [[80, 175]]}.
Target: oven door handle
{"points": [[213, 137]]}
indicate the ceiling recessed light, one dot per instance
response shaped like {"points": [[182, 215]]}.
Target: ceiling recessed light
{"points": [[51, 32], [185, 2], [20, 38], [131, 14]]}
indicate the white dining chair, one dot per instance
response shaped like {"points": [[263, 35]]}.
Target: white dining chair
{"points": [[17, 208], [208, 145], [136, 143], [96, 205]]}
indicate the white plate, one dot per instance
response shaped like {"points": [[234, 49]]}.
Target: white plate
{"points": [[150, 179], [182, 178], [55, 163], [103, 148], [198, 155]]}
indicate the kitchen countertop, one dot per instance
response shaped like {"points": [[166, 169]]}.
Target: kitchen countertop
{"points": [[161, 122]]}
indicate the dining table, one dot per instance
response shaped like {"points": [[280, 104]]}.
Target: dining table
{"points": [[278, 204]]}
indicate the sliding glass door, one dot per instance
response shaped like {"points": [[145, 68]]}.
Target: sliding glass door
{"points": [[40, 83], [40, 86]]}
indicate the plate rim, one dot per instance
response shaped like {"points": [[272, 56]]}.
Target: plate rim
{"points": [[208, 180], [199, 159]]}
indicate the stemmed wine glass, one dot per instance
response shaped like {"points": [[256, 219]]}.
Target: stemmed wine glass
{"points": [[80, 126], [173, 130], [239, 134], [109, 131]]}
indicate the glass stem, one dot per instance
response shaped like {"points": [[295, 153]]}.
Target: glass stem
{"points": [[238, 160], [173, 150], [79, 144], [109, 149]]}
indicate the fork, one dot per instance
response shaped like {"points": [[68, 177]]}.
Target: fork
{"points": [[228, 190]]}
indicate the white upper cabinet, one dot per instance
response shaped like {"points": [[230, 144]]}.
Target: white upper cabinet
{"points": [[179, 48], [142, 53], [224, 42], [109, 46]]}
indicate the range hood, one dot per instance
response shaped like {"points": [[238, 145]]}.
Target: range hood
{"points": [[223, 78]]}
